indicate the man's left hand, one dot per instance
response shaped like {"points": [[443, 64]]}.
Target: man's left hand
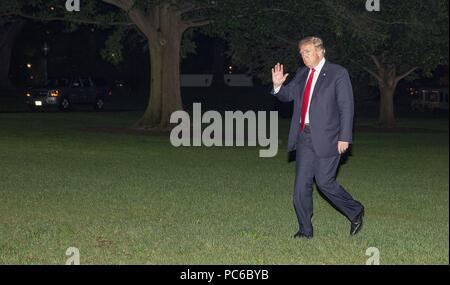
{"points": [[342, 147]]}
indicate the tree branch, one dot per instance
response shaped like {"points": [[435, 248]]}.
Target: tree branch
{"points": [[140, 20], [125, 5], [374, 74], [277, 10], [137, 16], [194, 24], [392, 70], [66, 19], [188, 8], [192, 9], [376, 61], [400, 77]]}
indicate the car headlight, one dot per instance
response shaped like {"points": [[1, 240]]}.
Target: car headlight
{"points": [[54, 93]]}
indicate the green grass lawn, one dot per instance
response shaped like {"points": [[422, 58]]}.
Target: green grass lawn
{"points": [[124, 199]]}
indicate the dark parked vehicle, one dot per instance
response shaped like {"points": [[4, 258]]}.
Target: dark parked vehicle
{"points": [[64, 93]]}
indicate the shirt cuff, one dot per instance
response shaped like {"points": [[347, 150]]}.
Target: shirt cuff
{"points": [[276, 90]]}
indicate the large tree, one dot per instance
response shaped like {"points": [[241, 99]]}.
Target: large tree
{"points": [[393, 43], [161, 23], [390, 45], [262, 32]]}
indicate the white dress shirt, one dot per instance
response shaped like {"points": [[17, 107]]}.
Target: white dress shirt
{"points": [[318, 68]]}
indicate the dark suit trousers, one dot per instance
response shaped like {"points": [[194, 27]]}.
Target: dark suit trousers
{"points": [[310, 166]]}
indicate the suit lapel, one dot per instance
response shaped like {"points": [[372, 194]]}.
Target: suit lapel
{"points": [[320, 79]]}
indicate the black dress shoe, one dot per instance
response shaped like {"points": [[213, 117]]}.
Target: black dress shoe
{"points": [[302, 235], [356, 225]]}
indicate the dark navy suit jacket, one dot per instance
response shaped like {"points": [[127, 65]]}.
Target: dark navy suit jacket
{"points": [[330, 112]]}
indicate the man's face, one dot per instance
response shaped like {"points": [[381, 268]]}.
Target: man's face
{"points": [[311, 55]]}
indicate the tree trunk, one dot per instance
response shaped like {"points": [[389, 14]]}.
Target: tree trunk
{"points": [[7, 40], [386, 117], [163, 26], [165, 92], [387, 82], [387, 78]]}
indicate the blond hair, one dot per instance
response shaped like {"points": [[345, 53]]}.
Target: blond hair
{"points": [[316, 41]]}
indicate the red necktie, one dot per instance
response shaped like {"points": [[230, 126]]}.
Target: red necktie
{"points": [[305, 102]]}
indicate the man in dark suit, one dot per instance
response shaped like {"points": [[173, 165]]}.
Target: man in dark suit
{"points": [[320, 132]]}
